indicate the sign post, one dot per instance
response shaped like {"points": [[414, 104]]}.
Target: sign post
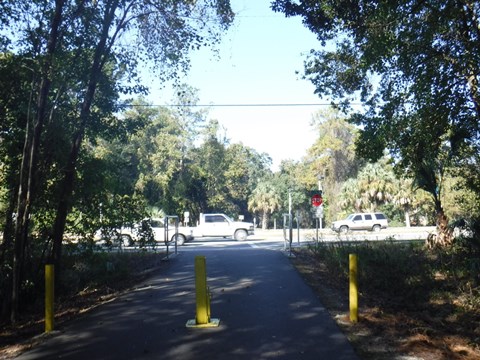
{"points": [[317, 201], [320, 217]]}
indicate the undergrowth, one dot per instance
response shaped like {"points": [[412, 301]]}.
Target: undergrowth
{"points": [[84, 270], [406, 273]]}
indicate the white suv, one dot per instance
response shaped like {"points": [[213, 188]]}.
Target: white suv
{"points": [[361, 221]]}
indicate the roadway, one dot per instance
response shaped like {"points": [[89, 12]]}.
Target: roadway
{"points": [[265, 311], [274, 239]]}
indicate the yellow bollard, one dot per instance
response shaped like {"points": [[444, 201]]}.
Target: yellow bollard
{"points": [[49, 296], [202, 318], [201, 290], [353, 288]]}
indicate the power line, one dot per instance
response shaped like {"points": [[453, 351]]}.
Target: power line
{"points": [[231, 105]]}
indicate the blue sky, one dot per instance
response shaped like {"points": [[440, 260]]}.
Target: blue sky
{"points": [[259, 57]]}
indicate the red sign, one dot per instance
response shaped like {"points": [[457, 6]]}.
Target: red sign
{"points": [[317, 200]]}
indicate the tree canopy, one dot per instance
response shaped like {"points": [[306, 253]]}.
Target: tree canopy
{"points": [[76, 156], [415, 66], [76, 58]]}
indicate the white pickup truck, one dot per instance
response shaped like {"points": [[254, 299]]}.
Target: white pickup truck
{"points": [[130, 235], [220, 225]]}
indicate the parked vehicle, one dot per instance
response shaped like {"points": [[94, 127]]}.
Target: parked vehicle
{"points": [[148, 231], [184, 233], [220, 225], [361, 221]]}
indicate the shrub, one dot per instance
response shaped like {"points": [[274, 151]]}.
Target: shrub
{"points": [[398, 270], [406, 273]]}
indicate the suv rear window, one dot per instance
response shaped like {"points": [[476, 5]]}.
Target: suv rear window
{"points": [[368, 217], [380, 216]]}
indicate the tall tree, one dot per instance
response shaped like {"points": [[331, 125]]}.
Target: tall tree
{"points": [[92, 32], [157, 152], [331, 159], [190, 117], [291, 191], [30, 153], [14, 112], [415, 66], [210, 158], [244, 168]]}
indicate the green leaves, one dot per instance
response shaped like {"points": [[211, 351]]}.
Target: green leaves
{"points": [[415, 68], [76, 59]]}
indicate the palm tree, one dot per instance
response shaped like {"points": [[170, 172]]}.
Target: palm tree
{"points": [[376, 184], [265, 200], [404, 198], [373, 187], [350, 196]]}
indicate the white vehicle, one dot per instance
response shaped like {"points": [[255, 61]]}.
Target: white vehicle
{"points": [[361, 221], [128, 236], [184, 233], [220, 225]]}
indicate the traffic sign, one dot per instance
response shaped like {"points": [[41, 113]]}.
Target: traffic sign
{"points": [[317, 200]]}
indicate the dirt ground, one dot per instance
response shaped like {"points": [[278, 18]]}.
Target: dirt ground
{"points": [[384, 331], [388, 330], [25, 335]]}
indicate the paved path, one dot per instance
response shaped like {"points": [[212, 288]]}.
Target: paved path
{"points": [[265, 309]]}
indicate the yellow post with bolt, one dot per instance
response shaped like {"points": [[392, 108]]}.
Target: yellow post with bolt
{"points": [[353, 288], [202, 319], [49, 296]]}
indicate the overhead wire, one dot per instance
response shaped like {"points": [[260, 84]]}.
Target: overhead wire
{"points": [[232, 105]]}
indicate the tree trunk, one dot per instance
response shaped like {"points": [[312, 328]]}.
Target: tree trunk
{"points": [[407, 217], [29, 163], [101, 52], [444, 233], [264, 220], [64, 204], [444, 236], [6, 256]]}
